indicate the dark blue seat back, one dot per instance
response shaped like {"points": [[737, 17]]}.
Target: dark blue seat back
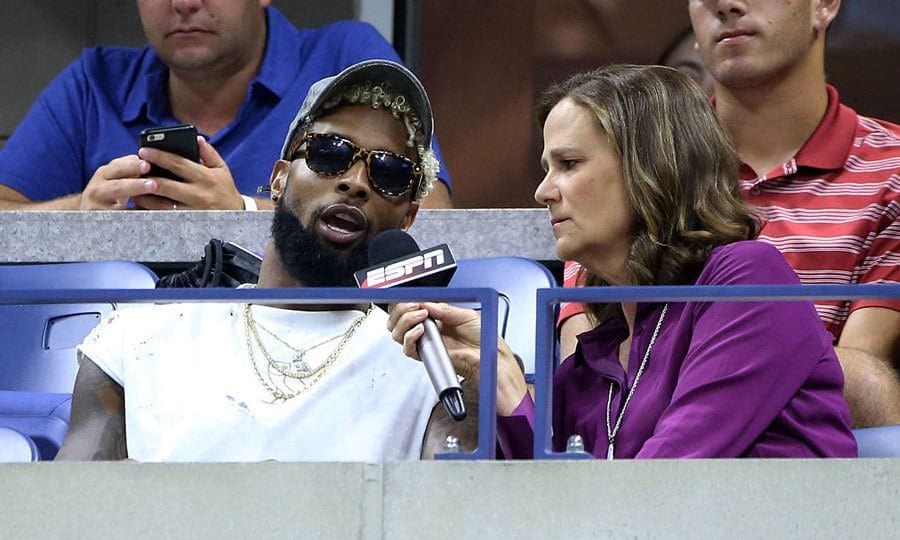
{"points": [[39, 340], [516, 279]]}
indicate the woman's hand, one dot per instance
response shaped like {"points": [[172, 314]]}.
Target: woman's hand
{"points": [[461, 332]]}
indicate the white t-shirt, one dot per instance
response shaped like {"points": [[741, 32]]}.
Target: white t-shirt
{"points": [[191, 393]]}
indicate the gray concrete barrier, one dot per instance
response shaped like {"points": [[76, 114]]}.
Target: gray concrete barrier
{"points": [[560, 499], [180, 236]]}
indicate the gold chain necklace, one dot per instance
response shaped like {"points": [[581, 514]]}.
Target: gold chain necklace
{"points": [[299, 364], [306, 380]]}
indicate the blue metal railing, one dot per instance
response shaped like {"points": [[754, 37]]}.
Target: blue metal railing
{"points": [[486, 298], [547, 299]]}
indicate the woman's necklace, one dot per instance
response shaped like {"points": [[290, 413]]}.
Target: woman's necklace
{"points": [[612, 431]]}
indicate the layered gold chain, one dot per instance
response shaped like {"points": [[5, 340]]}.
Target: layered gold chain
{"points": [[306, 377], [301, 368]]}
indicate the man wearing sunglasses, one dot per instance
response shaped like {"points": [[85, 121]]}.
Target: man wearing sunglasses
{"points": [[242, 382]]}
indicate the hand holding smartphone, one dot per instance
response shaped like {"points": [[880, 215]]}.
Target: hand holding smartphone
{"points": [[180, 140]]}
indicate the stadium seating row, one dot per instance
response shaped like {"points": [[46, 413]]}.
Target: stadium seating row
{"points": [[38, 365]]}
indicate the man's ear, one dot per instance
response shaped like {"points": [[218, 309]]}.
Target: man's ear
{"points": [[410, 216], [279, 178], [824, 11]]}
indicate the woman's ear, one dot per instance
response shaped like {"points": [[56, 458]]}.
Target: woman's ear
{"points": [[278, 180]]}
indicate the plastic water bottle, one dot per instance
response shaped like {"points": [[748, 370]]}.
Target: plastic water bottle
{"points": [[575, 445], [451, 445]]}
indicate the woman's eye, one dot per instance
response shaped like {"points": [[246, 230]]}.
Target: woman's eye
{"points": [[568, 164]]}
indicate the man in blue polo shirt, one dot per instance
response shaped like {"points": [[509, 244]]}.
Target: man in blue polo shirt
{"points": [[237, 70]]}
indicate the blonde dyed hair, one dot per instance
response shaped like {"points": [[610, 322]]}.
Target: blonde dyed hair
{"points": [[679, 166], [382, 96]]}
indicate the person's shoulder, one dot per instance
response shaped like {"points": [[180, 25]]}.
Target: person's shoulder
{"points": [[877, 136], [869, 124], [127, 321], [112, 59], [376, 324], [344, 36], [745, 253], [746, 263], [340, 27], [745, 248], [101, 64], [339, 44], [377, 314], [151, 317], [111, 71], [346, 28]]}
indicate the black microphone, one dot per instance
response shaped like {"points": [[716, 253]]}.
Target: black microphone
{"points": [[398, 261]]}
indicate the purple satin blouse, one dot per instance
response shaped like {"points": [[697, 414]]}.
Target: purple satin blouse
{"points": [[723, 380]]}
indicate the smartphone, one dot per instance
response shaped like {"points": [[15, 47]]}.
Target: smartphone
{"points": [[181, 140]]}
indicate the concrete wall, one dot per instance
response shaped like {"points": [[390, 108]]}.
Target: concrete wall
{"points": [[180, 236], [661, 499]]}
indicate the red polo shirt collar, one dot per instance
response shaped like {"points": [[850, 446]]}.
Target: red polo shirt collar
{"points": [[828, 146]]}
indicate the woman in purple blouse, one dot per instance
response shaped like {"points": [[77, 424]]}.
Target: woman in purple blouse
{"points": [[641, 187]]}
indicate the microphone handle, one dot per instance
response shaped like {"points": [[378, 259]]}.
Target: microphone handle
{"points": [[440, 370], [437, 361]]}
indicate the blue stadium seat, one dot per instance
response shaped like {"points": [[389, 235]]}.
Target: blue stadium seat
{"points": [[16, 447], [881, 441], [44, 418], [39, 340], [516, 279]]}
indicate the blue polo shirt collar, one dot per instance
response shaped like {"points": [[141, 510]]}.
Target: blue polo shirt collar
{"points": [[146, 100]]}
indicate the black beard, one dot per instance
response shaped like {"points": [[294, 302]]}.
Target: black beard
{"points": [[307, 259]]}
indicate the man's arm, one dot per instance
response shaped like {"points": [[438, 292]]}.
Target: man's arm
{"points": [[11, 199], [441, 425], [97, 425], [207, 186], [109, 189], [869, 351]]}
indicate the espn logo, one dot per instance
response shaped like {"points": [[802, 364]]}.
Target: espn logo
{"points": [[407, 268]]}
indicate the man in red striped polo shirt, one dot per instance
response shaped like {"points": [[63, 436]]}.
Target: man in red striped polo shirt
{"points": [[826, 180]]}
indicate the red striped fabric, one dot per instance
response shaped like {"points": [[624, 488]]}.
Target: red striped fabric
{"points": [[833, 209]]}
